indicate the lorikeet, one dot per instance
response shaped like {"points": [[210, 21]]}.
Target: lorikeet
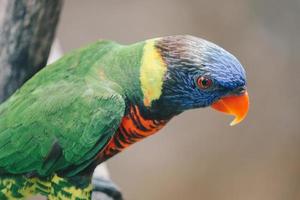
{"points": [[96, 101]]}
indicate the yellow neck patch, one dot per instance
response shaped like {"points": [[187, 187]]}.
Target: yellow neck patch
{"points": [[152, 73]]}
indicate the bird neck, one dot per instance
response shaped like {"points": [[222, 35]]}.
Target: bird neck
{"points": [[147, 63], [138, 69], [152, 73]]}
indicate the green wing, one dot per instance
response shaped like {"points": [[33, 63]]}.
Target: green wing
{"points": [[57, 126]]}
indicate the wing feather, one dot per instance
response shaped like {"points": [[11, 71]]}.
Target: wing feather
{"points": [[69, 121]]}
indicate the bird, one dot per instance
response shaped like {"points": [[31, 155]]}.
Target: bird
{"points": [[98, 100]]}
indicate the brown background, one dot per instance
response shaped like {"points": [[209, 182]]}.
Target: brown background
{"points": [[198, 155]]}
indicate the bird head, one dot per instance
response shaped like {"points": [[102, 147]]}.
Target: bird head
{"points": [[184, 72]]}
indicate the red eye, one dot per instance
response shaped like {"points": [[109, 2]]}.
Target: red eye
{"points": [[204, 82]]}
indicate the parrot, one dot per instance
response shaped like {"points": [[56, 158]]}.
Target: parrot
{"points": [[98, 100]]}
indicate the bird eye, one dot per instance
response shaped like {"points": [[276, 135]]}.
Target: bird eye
{"points": [[204, 82]]}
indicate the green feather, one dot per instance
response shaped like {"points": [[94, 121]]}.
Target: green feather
{"points": [[62, 117]]}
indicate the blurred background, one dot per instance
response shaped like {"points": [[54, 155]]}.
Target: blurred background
{"points": [[198, 155]]}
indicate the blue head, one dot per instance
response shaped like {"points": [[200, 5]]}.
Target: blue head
{"points": [[198, 74]]}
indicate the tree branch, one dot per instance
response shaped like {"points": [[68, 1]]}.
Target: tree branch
{"points": [[26, 35]]}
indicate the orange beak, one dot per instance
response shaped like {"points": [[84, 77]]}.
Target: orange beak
{"points": [[233, 105]]}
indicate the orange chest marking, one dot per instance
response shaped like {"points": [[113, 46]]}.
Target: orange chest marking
{"points": [[132, 129]]}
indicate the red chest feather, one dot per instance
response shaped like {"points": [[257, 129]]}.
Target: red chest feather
{"points": [[132, 129]]}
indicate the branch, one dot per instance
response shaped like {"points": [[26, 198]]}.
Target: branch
{"points": [[26, 35]]}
